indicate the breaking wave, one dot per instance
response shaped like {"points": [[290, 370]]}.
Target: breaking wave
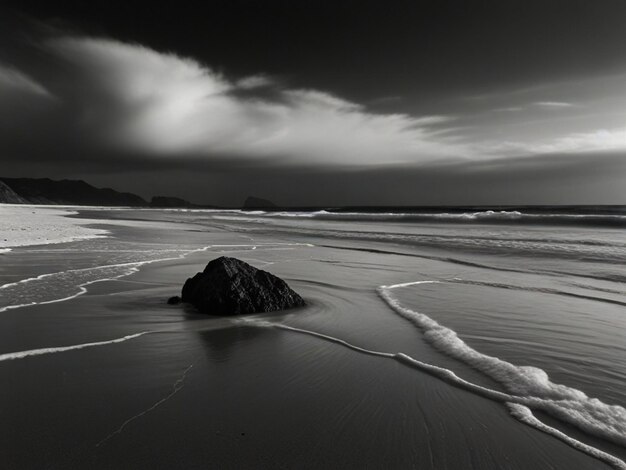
{"points": [[490, 216], [530, 386]]}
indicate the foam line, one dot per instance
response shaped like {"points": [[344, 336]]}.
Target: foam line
{"points": [[140, 263], [39, 352], [518, 406], [407, 284], [326, 337], [530, 384], [133, 268], [82, 289], [490, 216], [440, 372], [93, 268], [526, 416]]}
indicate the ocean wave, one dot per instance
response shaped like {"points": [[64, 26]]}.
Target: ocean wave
{"points": [[602, 247], [530, 386], [488, 216], [519, 406]]}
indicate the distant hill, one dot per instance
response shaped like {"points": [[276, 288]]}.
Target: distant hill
{"points": [[168, 201], [253, 202], [75, 192], [8, 196]]}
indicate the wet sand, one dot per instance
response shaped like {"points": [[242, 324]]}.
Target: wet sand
{"points": [[198, 392]]}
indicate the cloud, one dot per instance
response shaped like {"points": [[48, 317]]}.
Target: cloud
{"points": [[102, 101], [539, 104], [131, 98], [509, 109], [600, 140], [553, 104], [254, 81], [12, 80]]}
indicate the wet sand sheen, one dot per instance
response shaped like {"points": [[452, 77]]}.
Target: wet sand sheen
{"points": [[214, 392]]}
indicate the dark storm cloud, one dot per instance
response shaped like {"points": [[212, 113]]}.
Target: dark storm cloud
{"points": [[451, 100], [365, 49], [130, 99]]}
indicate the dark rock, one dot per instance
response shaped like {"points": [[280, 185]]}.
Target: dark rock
{"points": [[174, 300], [229, 286], [258, 203]]}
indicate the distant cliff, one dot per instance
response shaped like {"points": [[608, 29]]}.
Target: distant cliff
{"points": [[253, 202], [8, 196], [75, 192]]}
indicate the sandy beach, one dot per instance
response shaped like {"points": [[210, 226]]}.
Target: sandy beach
{"points": [[113, 377]]}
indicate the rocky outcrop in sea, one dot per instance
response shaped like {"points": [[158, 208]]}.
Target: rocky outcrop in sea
{"points": [[229, 286]]}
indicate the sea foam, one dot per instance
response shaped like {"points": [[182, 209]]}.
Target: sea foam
{"points": [[65, 285], [39, 352], [489, 216], [519, 407], [529, 386]]}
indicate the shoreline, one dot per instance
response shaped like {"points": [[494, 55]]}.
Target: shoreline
{"points": [[236, 355]]}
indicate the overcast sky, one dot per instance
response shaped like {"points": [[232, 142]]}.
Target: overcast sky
{"points": [[321, 103]]}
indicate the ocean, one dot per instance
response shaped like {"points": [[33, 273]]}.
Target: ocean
{"points": [[432, 339]]}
